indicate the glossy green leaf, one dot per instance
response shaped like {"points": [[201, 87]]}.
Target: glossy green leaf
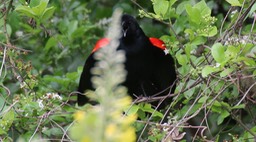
{"points": [[72, 27], [190, 32], [39, 9], [188, 49], [194, 14], [50, 43], [203, 8], [225, 72], [22, 1], [182, 7], [210, 32], [232, 51], [247, 61], [170, 11], [241, 106], [160, 7], [234, 2], [222, 116], [25, 10], [198, 40], [48, 13], [207, 70], [203, 99], [131, 110], [218, 52], [34, 3], [6, 121], [182, 59]]}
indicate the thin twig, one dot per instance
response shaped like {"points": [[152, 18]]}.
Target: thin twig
{"points": [[39, 123], [15, 48], [248, 90], [3, 62]]}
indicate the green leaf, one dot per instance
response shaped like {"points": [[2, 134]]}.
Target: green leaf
{"points": [[53, 131], [210, 32], [34, 3], [2, 131], [190, 32], [203, 8], [254, 73], [147, 108], [188, 49], [180, 24], [72, 27], [6, 121], [252, 11], [218, 52], [213, 31], [197, 12], [25, 10], [250, 51], [207, 70], [194, 14], [9, 116], [226, 105], [234, 2], [222, 116], [39, 9], [226, 72], [48, 13], [72, 75], [182, 59], [203, 99], [247, 61], [160, 7], [132, 110], [198, 40], [22, 1], [182, 7], [78, 32], [232, 51], [50, 43], [189, 94], [171, 11], [171, 2], [241, 106], [9, 29], [217, 104]]}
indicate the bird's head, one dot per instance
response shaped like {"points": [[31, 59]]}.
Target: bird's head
{"points": [[130, 27]]}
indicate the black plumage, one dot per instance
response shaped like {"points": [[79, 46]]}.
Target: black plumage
{"points": [[149, 69]]}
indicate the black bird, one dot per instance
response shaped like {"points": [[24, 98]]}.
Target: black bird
{"points": [[149, 69]]}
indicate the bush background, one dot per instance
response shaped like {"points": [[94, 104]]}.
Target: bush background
{"points": [[43, 51]]}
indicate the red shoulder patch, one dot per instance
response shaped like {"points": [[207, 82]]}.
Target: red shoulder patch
{"points": [[105, 41], [157, 42], [100, 43]]}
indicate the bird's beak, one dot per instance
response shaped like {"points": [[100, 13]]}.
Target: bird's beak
{"points": [[125, 28], [125, 32]]}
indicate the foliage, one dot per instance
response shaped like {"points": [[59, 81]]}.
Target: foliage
{"points": [[44, 44], [106, 118]]}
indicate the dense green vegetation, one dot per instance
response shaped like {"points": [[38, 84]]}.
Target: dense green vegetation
{"points": [[44, 44]]}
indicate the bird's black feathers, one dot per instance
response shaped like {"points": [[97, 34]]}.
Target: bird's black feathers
{"points": [[149, 69]]}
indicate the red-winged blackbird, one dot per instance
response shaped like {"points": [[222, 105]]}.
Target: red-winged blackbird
{"points": [[149, 69]]}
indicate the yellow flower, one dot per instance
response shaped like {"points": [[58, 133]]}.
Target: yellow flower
{"points": [[128, 135], [123, 102], [86, 139], [129, 119], [79, 115], [110, 130]]}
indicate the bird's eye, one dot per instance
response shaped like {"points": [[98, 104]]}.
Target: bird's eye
{"points": [[125, 25]]}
